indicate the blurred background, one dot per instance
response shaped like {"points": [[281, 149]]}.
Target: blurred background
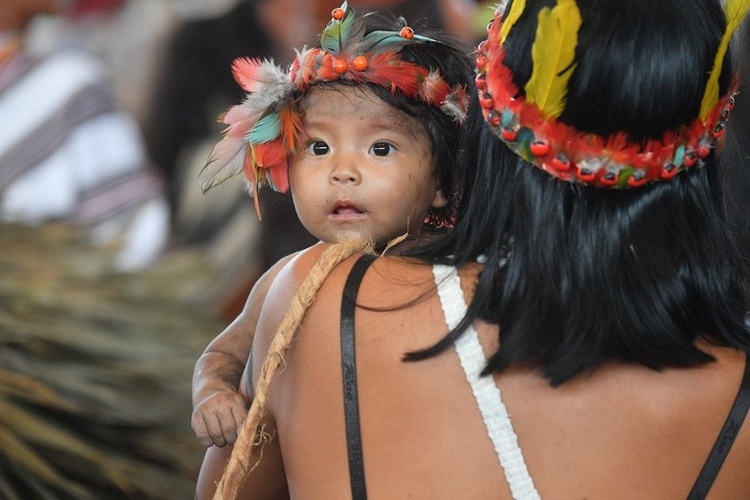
{"points": [[115, 271]]}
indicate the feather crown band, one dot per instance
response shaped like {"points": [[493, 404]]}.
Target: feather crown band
{"points": [[263, 130], [529, 125]]}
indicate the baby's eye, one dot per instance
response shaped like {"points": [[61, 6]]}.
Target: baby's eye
{"points": [[318, 148], [382, 149]]}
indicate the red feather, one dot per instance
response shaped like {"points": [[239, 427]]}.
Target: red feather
{"points": [[388, 70], [291, 127], [279, 176], [269, 153], [434, 89]]}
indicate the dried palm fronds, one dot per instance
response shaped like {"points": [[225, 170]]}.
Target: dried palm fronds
{"points": [[95, 370]]}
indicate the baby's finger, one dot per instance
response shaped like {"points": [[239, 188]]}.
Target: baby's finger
{"points": [[239, 412], [225, 426], [198, 423]]}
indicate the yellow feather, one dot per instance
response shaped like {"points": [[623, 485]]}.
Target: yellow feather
{"points": [[735, 11], [553, 56], [515, 12]]}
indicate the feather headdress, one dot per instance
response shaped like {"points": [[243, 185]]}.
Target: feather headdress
{"points": [[263, 130], [529, 125]]}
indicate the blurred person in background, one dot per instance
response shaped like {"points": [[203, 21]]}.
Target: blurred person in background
{"points": [[68, 152], [193, 87]]}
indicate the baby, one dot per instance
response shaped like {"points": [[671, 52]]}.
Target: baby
{"points": [[364, 132]]}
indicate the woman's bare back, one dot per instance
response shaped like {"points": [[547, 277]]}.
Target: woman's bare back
{"points": [[623, 431]]}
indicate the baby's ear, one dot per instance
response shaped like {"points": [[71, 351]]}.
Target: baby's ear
{"points": [[438, 201]]}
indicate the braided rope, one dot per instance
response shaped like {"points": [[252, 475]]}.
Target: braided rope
{"points": [[239, 463]]}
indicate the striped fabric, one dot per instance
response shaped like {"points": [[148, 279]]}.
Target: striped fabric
{"points": [[67, 153]]}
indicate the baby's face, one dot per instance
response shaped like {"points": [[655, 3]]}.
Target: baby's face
{"points": [[363, 169]]}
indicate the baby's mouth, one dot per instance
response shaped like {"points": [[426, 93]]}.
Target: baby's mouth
{"points": [[346, 210]]}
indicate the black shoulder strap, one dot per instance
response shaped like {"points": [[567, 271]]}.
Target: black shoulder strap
{"points": [[724, 442], [349, 375]]}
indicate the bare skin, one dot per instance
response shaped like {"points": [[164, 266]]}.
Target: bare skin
{"points": [[623, 431], [218, 409]]}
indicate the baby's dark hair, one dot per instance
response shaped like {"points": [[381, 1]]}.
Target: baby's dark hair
{"points": [[575, 275], [449, 56]]}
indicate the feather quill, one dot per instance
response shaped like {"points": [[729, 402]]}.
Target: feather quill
{"points": [[515, 12], [553, 56], [380, 41], [735, 11]]}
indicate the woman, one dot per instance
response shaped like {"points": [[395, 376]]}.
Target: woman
{"points": [[604, 298]]}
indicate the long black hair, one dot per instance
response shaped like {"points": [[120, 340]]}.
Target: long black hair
{"points": [[577, 276]]}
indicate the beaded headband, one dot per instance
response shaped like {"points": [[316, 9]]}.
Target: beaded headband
{"points": [[529, 125], [263, 131]]}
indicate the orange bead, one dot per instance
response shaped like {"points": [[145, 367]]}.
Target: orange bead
{"points": [[360, 63], [337, 13], [340, 66], [406, 32]]}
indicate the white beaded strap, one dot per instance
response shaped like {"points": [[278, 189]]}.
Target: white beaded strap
{"points": [[485, 391]]}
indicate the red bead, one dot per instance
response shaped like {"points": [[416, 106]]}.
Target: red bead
{"points": [[703, 151], [634, 181], [586, 175], [481, 82], [486, 101], [481, 62], [509, 135], [360, 63], [539, 148], [481, 48], [406, 32], [690, 159], [340, 66], [560, 164], [338, 13], [608, 179], [494, 118], [669, 171], [718, 130]]}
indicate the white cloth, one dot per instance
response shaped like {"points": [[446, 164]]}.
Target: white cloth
{"points": [[67, 153], [487, 394]]}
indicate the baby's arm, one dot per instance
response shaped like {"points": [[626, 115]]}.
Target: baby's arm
{"points": [[218, 408]]}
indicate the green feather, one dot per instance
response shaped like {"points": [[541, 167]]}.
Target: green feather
{"points": [[267, 129], [339, 35], [380, 41]]}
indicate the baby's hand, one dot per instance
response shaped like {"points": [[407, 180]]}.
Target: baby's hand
{"points": [[218, 418]]}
